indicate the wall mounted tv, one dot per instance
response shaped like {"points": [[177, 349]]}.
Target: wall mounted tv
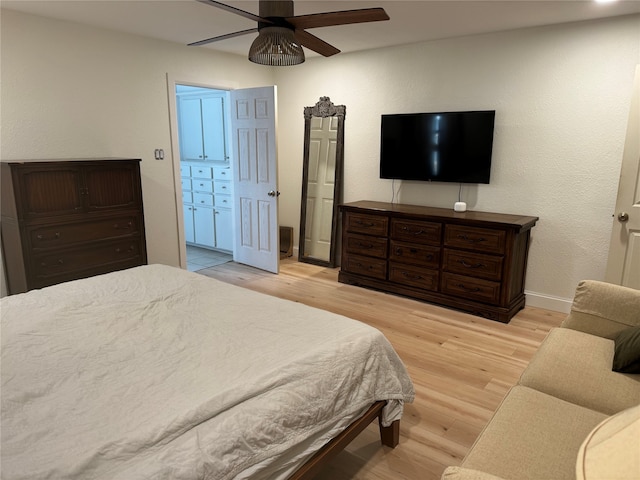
{"points": [[439, 147]]}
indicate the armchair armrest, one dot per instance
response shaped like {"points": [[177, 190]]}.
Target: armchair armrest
{"points": [[603, 309]]}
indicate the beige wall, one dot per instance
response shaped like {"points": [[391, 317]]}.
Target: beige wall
{"points": [[562, 97], [73, 91], [561, 94]]}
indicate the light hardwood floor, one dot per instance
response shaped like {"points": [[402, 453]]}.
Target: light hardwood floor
{"points": [[461, 366]]}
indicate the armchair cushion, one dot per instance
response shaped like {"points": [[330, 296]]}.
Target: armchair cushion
{"points": [[626, 357], [576, 367]]}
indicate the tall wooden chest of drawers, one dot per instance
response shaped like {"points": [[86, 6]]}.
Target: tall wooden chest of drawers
{"points": [[471, 261], [68, 219]]}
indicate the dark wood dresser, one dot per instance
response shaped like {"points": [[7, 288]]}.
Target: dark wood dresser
{"points": [[471, 261], [69, 219]]}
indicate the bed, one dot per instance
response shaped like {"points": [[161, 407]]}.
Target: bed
{"points": [[155, 372]]}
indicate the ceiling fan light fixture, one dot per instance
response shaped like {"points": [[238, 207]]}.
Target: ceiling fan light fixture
{"points": [[276, 46]]}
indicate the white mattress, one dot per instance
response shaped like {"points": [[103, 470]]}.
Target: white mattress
{"points": [[155, 372]]}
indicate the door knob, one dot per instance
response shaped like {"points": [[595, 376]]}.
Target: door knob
{"points": [[273, 193], [623, 216]]}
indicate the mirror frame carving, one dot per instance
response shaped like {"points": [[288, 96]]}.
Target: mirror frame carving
{"points": [[324, 108]]}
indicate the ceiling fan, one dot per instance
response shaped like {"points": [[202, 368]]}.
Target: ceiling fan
{"points": [[281, 35]]}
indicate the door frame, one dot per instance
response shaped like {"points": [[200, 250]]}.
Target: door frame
{"points": [[172, 81]]}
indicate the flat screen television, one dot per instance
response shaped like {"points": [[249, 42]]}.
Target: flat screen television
{"points": [[439, 147]]}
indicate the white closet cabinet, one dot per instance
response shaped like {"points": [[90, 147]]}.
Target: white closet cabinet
{"points": [[207, 200], [201, 127]]}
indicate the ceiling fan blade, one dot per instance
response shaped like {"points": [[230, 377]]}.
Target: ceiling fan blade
{"points": [[314, 43], [224, 37], [345, 17], [235, 10]]}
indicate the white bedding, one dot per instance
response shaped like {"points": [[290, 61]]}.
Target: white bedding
{"points": [[155, 372]]}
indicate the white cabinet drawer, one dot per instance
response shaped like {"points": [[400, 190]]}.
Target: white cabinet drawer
{"points": [[187, 197], [185, 171], [223, 200], [222, 173], [222, 187], [198, 185], [186, 184], [205, 199], [201, 172]]}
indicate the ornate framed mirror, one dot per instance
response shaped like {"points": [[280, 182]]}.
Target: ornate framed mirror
{"points": [[321, 182]]}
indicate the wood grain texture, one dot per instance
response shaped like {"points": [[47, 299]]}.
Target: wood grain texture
{"points": [[461, 365]]}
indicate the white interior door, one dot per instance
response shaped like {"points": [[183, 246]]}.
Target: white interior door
{"points": [[321, 185], [623, 266], [253, 127]]}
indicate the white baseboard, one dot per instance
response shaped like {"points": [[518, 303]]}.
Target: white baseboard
{"points": [[548, 302]]}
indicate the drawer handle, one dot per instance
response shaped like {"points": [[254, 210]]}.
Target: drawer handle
{"points": [[363, 224], [468, 265], [365, 245], [41, 237], [467, 289], [472, 240], [60, 262], [408, 230], [130, 249], [368, 267], [412, 276], [429, 256], [118, 226]]}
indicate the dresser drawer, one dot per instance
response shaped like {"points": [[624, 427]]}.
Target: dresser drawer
{"points": [[51, 236], [204, 199], [366, 245], [222, 187], [413, 276], [371, 267], [473, 264], [416, 231], [201, 172], [222, 200], [222, 173], [415, 253], [85, 258], [368, 224], [474, 238], [470, 288], [201, 185]]}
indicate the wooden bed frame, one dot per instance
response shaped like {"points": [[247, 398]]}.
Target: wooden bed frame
{"points": [[389, 436]]}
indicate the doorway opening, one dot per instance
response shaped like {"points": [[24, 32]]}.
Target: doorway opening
{"points": [[205, 174]]}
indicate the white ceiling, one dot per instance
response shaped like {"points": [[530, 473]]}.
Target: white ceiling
{"points": [[185, 21]]}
